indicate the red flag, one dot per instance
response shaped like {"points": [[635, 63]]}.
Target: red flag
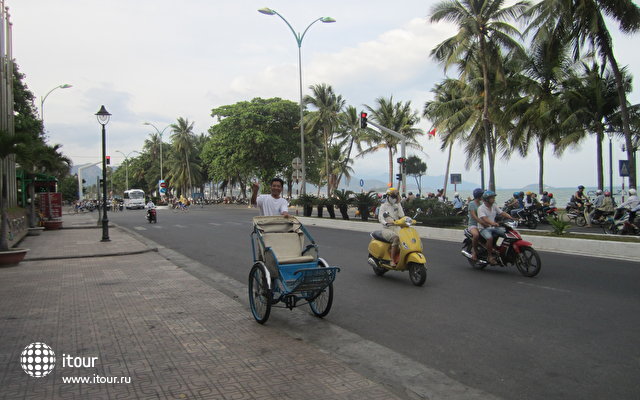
{"points": [[432, 132]]}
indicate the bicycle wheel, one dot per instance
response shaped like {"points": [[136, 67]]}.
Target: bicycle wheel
{"points": [[581, 221], [259, 295], [528, 262], [321, 305]]}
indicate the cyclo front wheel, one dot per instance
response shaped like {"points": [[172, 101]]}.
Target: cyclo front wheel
{"points": [[321, 305], [528, 262], [259, 294]]}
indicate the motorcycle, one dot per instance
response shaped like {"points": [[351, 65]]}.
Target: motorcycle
{"points": [[619, 224], [575, 214], [411, 257], [152, 216], [512, 250]]}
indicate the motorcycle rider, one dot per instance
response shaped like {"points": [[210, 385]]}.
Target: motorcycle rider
{"points": [[390, 211], [474, 220], [632, 202], [457, 202], [149, 206], [490, 229], [582, 201], [602, 205], [520, 205]]}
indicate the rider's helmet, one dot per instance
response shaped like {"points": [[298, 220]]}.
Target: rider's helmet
{"points": [[521, 194], [632, 192], [392, 192], [529, 193], [580, 187], [477, 193], [456, 194], [515, 194], [488, 193], [607, 193], [550, 195], [545, 193], [598, 192]]}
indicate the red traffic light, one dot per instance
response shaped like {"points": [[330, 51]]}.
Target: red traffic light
{"points": [[363, 115], [363, 119], [108, 160], [401, 160]]}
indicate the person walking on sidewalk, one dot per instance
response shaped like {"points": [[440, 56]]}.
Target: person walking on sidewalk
{"points": [[270, 204]]}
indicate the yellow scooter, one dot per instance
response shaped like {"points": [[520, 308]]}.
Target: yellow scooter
{"points": [[411, 258]]}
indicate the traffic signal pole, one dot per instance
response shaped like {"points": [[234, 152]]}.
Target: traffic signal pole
{"points": [[403, 149]]}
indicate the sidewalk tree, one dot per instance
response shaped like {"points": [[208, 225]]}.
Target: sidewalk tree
{"points": [[254, 138], [416, 168]]}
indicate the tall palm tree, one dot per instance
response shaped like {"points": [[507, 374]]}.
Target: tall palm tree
{"points": [[326, 119], [183, 142], [583, 21], [535, 110], [398, 117], [482, 33], [592, 106]]}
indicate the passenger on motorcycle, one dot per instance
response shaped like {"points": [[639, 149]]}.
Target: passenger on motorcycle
{"points": [[519, 206], [490, 229], [390, 211], [603, 206], [474, 220]]}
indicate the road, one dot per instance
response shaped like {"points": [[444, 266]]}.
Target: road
{"points": [[570, 333]]}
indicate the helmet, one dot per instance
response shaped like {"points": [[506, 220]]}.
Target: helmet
{"points": [[607, 193], [529, 193], [393, 192], [632, 192], [477, 193], [598, 192], [580, 187], [488, 194], [516, 194], [521, 194], [456, 194], [545, 193], [550, 194]]}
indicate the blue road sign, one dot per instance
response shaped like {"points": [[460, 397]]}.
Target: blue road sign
{"points": [[361, 182]]}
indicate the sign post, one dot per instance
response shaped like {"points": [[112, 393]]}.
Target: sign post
{"points": [[455, 180], [623, 166]]}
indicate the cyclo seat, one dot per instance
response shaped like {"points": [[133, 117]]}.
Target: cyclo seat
{"points": [[285, 238], [377, 235]]}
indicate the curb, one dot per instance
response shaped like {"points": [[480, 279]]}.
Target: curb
{"points": [[625, 251], [122, 253]]}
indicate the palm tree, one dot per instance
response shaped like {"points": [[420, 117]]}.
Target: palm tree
{"points": [[482, 33], [535, 110], [581, 21], [398, 117], [183, 142], [592, 106], [326, 118]]}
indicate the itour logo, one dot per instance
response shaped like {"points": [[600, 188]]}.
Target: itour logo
{"points": [[38, 359]]}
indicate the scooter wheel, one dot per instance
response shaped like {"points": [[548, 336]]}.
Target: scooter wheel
{"points": [[417, 273]]}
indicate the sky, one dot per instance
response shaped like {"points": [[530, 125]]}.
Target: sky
{"points": [[157, 60]]}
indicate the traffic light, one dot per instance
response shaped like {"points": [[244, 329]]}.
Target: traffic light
{"points": [[401, 160], [108, 160], [399, 177], [363, 120]]}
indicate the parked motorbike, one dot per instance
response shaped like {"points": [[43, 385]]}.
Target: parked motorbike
{"points": [[512, 250], [152, 216], [411, 257]]}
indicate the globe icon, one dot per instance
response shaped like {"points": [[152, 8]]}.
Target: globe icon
{"points": [[38, 359]]}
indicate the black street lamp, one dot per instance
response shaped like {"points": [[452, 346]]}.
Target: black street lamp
{"points": [[103, 118]]}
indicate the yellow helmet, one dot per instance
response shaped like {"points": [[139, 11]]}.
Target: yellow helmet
{"points": [[529, 193], [391, 191]]}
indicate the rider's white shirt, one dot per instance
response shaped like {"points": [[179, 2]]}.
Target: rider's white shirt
{"points": [[268, 205], [490, 213]]}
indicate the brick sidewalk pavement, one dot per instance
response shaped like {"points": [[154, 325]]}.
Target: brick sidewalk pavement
{"points": [[146, 319]]}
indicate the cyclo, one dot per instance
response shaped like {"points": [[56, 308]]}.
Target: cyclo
{"points": [[286, 269]]}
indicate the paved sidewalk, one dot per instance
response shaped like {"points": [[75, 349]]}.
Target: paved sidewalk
{"points": [[146, 319]]}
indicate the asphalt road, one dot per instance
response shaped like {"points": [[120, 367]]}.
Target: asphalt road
{"points": [[570, 333]]}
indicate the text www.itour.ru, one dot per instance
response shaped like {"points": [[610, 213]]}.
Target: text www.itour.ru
{"points": [[96, 379]]}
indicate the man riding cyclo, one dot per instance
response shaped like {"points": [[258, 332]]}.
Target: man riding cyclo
{"points": [[487, 214], [273, 203], [390, 211]]}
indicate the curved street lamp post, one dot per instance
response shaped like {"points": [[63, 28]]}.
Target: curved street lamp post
{"points": [[103, 118], [126, 166], [42, 99], [299, 37], [159, 132]]}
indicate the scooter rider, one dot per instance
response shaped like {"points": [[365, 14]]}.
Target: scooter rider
{"points": [[149, 206], [474, 220], [487, 214], [390, 211]]}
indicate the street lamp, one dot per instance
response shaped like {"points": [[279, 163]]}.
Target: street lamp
{"points": [[103, 118], [610, 134], [299, 38], [159, 132], [126, 166], [42, 99]]}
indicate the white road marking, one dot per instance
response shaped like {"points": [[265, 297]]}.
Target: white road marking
{"points": [[234, 223], [545, 287], [139, 228], [214, 223], [180, 226]]}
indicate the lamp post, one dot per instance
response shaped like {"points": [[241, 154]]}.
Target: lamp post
{"points": [[126, 166], [159, 132], [42, 99], [103, 118], [299, 37], [610, 134]]}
